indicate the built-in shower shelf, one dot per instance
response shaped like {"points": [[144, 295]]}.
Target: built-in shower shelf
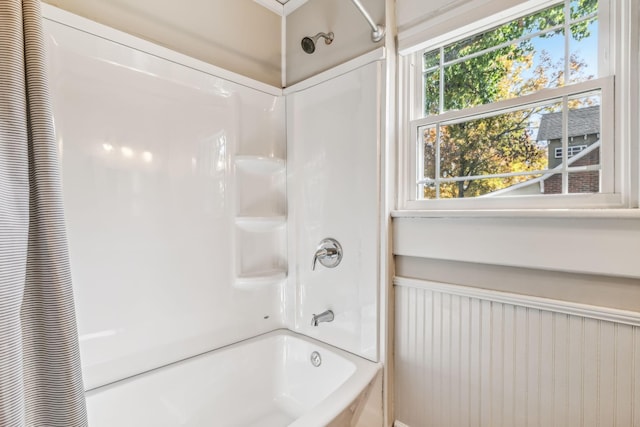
{"points": [[263, 278], [260, 164], [260, 223], [260, 219]]}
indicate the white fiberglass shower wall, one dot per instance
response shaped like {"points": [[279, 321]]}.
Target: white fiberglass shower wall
{"points": [[173, 184], [333, 134]]}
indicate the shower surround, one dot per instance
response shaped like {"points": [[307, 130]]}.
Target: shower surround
{"points": [[183, 238]]}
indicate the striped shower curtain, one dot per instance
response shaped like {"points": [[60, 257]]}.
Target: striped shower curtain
{"points": [[40, 376]]}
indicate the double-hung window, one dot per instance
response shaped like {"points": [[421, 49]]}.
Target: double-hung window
{"points": [[519, 114]]}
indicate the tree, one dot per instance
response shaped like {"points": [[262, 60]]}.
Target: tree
{"points": [[502, 143]]}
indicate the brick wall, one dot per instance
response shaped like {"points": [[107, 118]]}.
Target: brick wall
{"points": [[579, 182]]}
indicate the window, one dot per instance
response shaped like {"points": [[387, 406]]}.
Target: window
{"points": [[573, 150], [518, 115]]}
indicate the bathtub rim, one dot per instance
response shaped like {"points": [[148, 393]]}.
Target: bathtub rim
{"points": [[346, 394], [320, 415]]}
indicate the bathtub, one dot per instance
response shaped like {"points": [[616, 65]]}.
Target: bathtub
{"points": [[266, 381]]}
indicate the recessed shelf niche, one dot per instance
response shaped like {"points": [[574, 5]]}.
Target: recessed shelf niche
{"points": [[260, 221]]}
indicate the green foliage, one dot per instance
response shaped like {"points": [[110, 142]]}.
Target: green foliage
{"points": [[487, 68]]}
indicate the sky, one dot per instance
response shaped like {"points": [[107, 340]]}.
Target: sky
{"points": [[586, 49]]}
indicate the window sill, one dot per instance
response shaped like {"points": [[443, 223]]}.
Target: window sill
{"points": [[589, 241], [613, 213]]}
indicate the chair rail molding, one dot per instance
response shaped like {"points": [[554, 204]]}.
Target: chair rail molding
{"points": [[607, 314]]}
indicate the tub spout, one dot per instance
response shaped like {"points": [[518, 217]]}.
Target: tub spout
{"points": [[326, 316]]}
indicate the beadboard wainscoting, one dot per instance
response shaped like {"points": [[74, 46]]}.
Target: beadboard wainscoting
{"points": [[472, 357]]}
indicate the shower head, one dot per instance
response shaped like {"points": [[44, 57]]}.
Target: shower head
{"points": [[309, 43]]}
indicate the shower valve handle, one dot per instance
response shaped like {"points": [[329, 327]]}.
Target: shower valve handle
{"points": [[329, 253]]}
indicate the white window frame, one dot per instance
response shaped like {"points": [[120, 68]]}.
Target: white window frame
{"points": [[617, 54]]}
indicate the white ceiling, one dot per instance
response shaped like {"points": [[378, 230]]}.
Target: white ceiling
{"points": [[281, 7]]}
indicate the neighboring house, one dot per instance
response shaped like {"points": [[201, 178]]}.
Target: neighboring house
{"points": [[584, 130], [583, 150]]}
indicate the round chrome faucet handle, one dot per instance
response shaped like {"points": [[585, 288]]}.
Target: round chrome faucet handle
{"points": [[329, 253]]}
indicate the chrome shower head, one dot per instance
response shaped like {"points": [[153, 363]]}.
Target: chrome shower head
{"points": [[309, 43]]}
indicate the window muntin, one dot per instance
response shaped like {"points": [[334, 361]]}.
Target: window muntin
{"points": [[498, 153], [445, 109]]}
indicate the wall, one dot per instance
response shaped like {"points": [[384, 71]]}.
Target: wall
{"points": [[492, 312], [239, 35], [333, 136], [576, 141], [412, 12], [242, 36], [469, 357], [150, 153], [352, 35], [604, 291], [516, 319], [580, 182], [580, 243]]}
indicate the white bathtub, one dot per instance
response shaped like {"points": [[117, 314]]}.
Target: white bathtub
{"points": [[266, 381]]}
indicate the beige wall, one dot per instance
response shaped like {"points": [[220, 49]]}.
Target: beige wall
{"points": [[352, 35], [604, 291], [239, 35], [411, 12]]}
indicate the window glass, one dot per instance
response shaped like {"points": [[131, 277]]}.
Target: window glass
{"points": [[524, 56], [514, 110], [512, 153]]}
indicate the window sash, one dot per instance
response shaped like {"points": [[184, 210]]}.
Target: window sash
{"points": [[616, 56], [535, 99], [570, 169], [521, 39], [603, 199], [488, 23]]}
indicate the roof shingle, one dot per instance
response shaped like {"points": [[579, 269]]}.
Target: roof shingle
{"points": [[582, 121]]}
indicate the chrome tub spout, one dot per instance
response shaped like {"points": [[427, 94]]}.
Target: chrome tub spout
{"points": [[326, 316]]}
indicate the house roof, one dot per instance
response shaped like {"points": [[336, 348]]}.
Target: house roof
{"points": [[582, 121]]}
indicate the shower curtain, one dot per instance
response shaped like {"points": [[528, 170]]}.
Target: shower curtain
{"points": [[40, 376]]}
